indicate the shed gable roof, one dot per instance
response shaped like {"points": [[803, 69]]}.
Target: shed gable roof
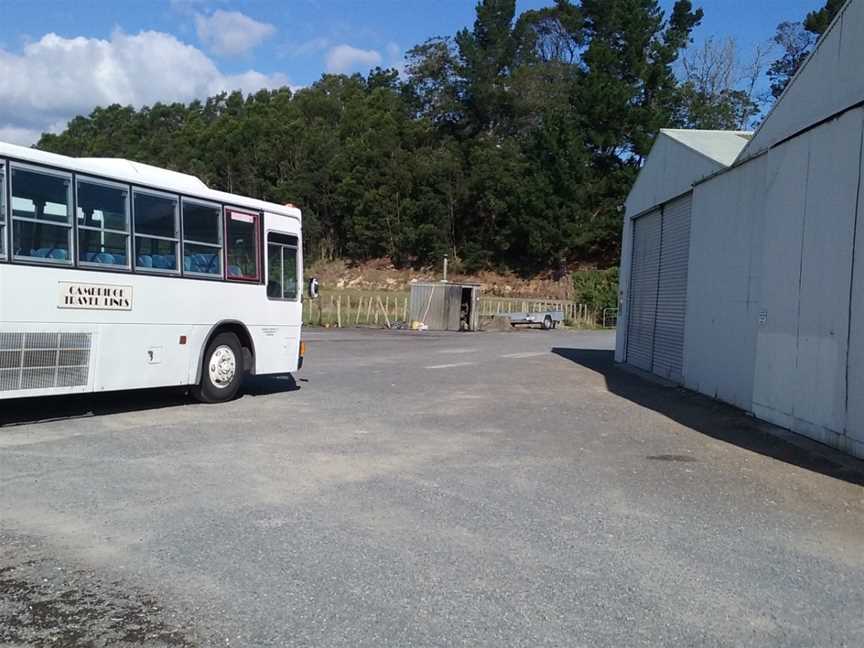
{"points": [[678, 159]]}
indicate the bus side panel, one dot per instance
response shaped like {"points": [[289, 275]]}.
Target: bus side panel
{"points": [[277, 348], [137, 355]]}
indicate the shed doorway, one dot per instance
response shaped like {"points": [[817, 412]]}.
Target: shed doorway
{"points": [[658, 289]]}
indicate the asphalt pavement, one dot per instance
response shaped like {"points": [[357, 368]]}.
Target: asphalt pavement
{"points": [[422, 489]]}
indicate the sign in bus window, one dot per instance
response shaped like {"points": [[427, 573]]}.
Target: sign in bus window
{"points": [[156, 231], [242, 246], [41, 215], [103, 223]]}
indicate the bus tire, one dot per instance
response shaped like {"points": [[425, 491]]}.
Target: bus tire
{"points": [[221, 371], [547, 323]]}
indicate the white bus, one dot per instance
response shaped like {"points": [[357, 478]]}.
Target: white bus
{"points": [[117, 275]]}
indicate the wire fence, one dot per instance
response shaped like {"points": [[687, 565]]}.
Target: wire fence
{"points": [[344, 311], [386, 310]]}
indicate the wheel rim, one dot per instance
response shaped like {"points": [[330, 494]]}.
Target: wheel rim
{"points": [[222, 366]]}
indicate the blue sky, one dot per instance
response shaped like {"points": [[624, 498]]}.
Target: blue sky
{"points": [[59, 58]]}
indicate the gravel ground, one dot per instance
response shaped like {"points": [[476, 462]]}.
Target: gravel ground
{"points": [[495, 489]]}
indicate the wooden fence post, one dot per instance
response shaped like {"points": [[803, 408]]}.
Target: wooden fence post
{"points": [[384, 311], [339, 312]]}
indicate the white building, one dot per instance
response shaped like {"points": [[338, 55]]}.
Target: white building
{"points": [[738, 274]]}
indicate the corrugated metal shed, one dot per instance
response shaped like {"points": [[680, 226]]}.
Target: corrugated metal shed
{"points": [[445, 306], [774, 317]]}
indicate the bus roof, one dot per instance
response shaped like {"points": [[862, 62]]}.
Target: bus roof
{"points": [[142, 174]]}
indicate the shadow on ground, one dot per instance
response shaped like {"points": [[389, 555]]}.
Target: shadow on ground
{"points": [[715, 419], [51, 408]]}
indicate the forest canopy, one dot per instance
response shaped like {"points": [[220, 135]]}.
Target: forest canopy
{"points": [[511, 145]]}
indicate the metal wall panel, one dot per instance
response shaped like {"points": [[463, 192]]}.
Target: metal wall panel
{"points": [[777, 339], [855, 384], [723, 283], [805, 346], [672, 290], [826, 272], [644, 277], [429, 305]]}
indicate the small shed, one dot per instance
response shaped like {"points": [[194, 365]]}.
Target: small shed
{"points": [[445, 306]]}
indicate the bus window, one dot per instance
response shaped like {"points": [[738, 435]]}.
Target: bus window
{"points": [[202, 238], [274, 271], [156, 232], [103, 223], [242, 245], [281, 266], [41, 215], [2, 210]]}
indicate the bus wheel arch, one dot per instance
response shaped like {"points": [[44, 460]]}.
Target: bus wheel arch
{"points": [[246, 344]]}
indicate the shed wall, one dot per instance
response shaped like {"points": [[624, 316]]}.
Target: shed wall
{"points": [[802, 352], [724, 282], [855, 385]]}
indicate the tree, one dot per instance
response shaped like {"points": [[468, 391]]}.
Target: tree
{"points": [[718, 89], [796, 40], [628, 87], [487, 56], [510, 145]]}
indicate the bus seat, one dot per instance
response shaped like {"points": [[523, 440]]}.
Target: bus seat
{"points": [[145, 261], [234, 271], [58, 254], [164, 261], [209, 263], [105, 258]]}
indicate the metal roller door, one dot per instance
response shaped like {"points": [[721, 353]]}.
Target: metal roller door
{"points": [[658, 290], [644, 276], [672, 290]]}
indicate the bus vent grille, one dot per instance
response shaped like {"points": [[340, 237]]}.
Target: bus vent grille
{"points": [[40, 360]]}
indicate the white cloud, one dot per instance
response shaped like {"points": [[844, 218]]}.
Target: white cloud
{"points": [[20, 136], [344, 58], [231, 33], [55, 78], [395, 59], [312, 46]]}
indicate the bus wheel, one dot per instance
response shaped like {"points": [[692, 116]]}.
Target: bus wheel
{"points": [[547, 323], [222, 370]]}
